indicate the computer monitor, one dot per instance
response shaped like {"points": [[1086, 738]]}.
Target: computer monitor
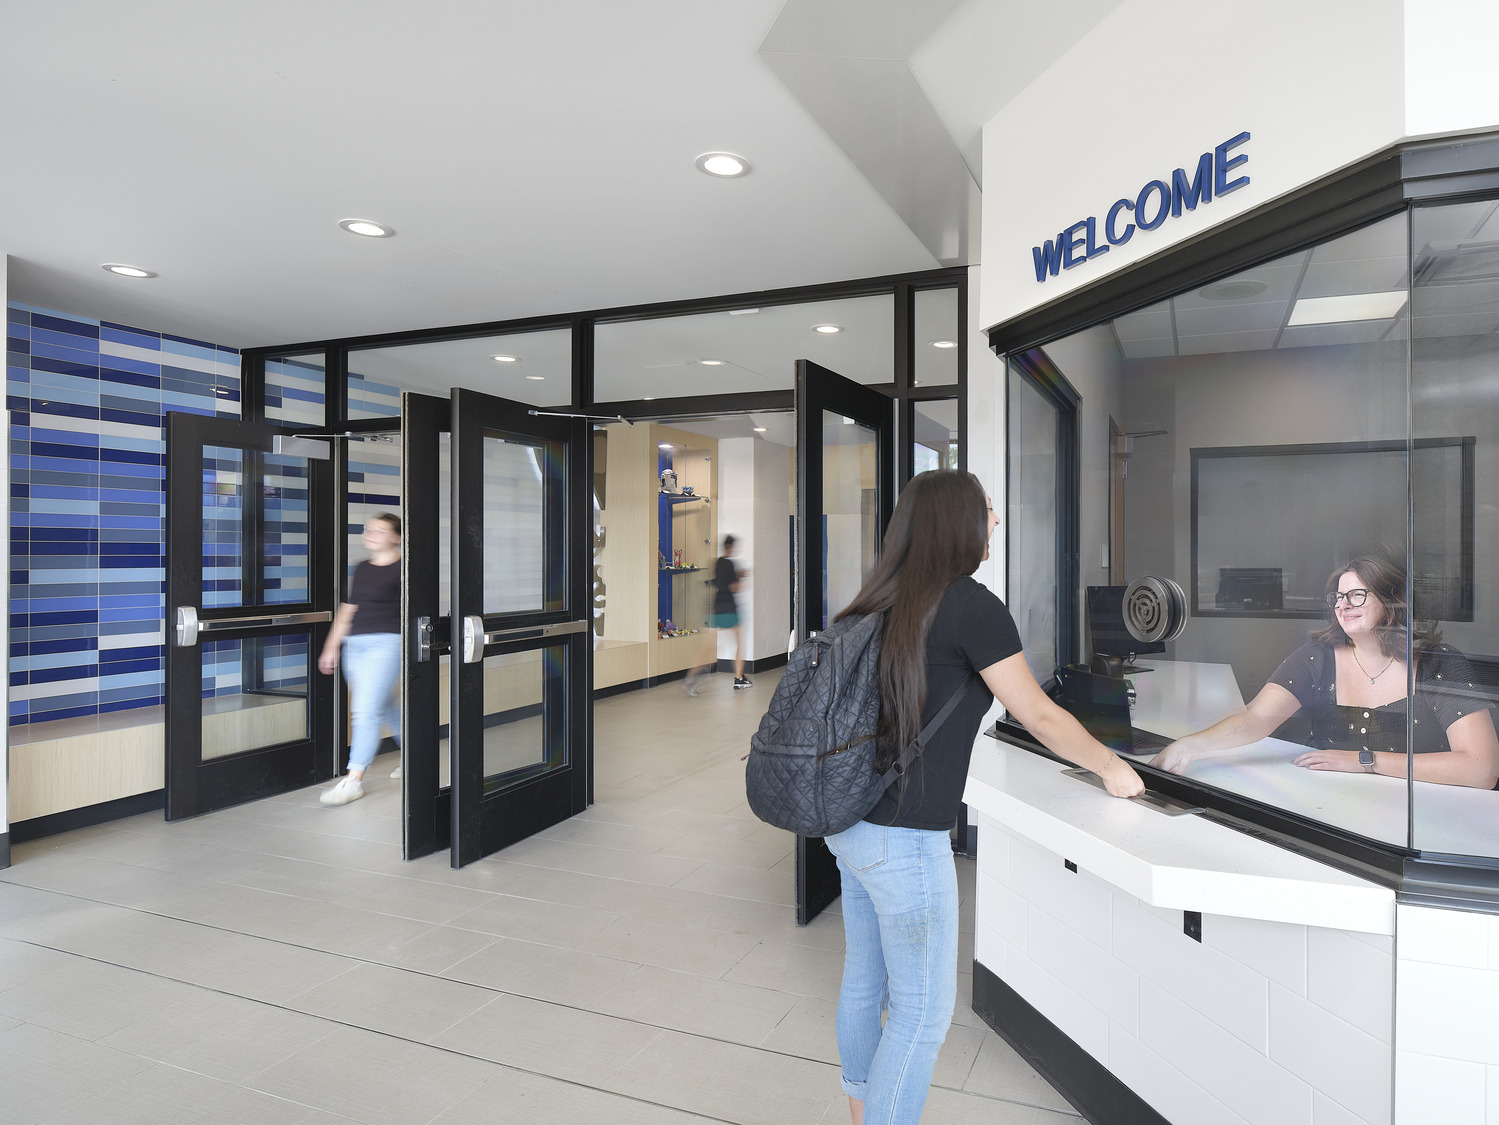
{"points": [[1106, 629]]}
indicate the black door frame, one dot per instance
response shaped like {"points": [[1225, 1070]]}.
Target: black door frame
{"points": [[193, 786], [817, 390], [484, 823]]}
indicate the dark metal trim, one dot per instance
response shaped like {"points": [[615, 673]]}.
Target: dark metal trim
{"points": [[1090, 1086]]}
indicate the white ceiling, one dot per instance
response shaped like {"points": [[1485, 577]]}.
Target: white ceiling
{"points": [[533, 158]]}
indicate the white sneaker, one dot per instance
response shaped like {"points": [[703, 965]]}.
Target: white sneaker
{"points": [[346, 790], [396, 773]]}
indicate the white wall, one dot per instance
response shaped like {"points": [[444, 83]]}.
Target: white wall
{"points": [[1451, 82], [1156, 84], [754, 507]]}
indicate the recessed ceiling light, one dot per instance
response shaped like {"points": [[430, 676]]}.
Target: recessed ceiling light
{"points": [[743, 312], [665, 445], [723, 164], [827, 329], [711, 362], [127, 271], [365, 227], [536, 378], [1351, 306], [503, 358], [648, 398], [944, 343], [759, 429]]}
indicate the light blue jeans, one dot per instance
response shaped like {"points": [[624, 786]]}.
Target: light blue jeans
{"points": [[372, 665], [900, 923]]}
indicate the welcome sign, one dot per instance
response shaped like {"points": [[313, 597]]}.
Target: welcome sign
{"points": [[1152, 205]]}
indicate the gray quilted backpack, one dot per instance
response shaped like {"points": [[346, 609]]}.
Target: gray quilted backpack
{"points": [[811, 763]]}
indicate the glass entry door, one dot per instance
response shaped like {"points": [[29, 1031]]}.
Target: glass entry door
{"points": [[249, 600], [845, 492], [519, 709]]}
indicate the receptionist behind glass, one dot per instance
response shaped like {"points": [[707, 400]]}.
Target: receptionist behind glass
{"points": [[1343, 694]]}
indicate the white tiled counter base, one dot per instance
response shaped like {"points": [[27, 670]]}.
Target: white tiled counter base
{"points": [[1285, 1023], [1447, 1017]]}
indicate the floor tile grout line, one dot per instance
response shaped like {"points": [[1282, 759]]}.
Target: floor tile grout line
{"points": [[496, 992], [340, 1023]]}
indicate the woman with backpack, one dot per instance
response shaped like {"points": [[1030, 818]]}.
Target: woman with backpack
{"points": [[900, 895]]}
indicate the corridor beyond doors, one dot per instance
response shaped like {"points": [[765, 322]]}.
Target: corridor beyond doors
{"points": [[279, 962]]}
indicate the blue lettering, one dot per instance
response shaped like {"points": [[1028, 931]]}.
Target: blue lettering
{"points": [[1199, 190], [1070, 245], [1222, 165], [1048, 258], [1108, 223], [1093, 248], [1165, 193]]}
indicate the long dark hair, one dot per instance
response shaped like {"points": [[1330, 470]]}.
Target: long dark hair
{"points": [[1386, 581], [938, 533]]}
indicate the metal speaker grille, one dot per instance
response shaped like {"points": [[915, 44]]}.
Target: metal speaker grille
{"points": [[1155, 609]]}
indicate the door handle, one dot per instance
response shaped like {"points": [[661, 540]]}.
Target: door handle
{"points": [[476, 640], [189, 625]]}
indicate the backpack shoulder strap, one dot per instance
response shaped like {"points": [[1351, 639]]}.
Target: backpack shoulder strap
{"points": [[908, 755]]}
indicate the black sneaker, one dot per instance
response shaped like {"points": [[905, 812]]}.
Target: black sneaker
{"points": [[741, 682]]}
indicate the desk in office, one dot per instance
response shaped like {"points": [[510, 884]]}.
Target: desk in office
{"points": [[1178, 698]]}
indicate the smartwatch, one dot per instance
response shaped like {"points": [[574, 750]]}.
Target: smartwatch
{"points": [[1366, 759]]}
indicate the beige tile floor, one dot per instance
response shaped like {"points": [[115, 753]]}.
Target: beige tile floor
{"points": [[278, 962]]}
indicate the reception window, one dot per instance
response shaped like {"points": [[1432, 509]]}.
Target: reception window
{"points": [[1287, 541]]}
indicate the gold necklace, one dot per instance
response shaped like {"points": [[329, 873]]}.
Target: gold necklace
{"points": [[1365, 671]]}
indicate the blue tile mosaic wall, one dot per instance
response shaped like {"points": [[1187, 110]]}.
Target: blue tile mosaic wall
{"points": [[87, 400]]}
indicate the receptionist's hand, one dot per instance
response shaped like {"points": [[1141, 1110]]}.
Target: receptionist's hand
{"points": [[1343, 761], [1174, 759]]}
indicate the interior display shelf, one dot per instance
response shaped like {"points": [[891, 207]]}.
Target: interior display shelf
{"points": [[678, 498], [680, 569]]}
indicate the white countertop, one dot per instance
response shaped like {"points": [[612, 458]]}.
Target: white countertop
{"points": [[1175, 862]]}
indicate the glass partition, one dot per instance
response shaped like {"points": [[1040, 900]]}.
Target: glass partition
{"points": [[1455, 551], [1312, 495], [935, 333], [530, 367], [740, 350], [934, 435], [295, 388]]}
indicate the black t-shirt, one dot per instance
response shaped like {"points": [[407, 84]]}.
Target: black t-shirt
{"points": [[971, 631], [724, 577], [376, 591], [1444, 694]]}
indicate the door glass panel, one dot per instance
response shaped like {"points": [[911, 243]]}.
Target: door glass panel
{"points": [[934, 435], [255, 692], [1032, 563], [936, 338], [850, 509], [284, 506], [223, 526], [524, 708], [523, 478]]}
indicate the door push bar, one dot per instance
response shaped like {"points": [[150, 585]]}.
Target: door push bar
{"points": [[189, 626], [475, 639]]}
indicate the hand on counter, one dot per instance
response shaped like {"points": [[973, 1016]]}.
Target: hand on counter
{"points": [[1174, 759], [1120, 778], [1344, 761]]}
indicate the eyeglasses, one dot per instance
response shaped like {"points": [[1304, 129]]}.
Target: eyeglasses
{"points": [[1355, 598]]}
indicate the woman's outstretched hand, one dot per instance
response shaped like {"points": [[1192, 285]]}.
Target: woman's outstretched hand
{"points": [[1120, 779], [1174, 759]]}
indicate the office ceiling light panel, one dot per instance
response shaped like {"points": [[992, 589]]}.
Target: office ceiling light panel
{"points": [[1350, 306]]}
